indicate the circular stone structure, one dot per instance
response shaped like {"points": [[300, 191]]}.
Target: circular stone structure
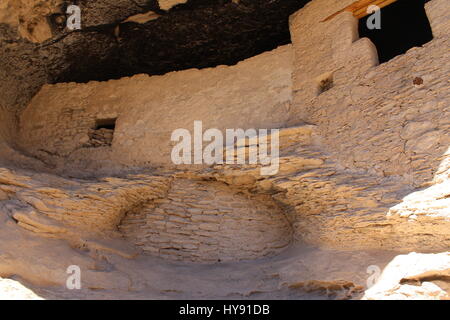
{"points": [[204, 221]]}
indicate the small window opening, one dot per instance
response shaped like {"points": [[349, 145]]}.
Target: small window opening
{"points": [[103, 133], [325, 82], [404, 25], [109, 124]]}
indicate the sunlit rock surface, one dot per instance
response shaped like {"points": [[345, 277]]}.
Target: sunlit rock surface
{"points": [[358, 206]]}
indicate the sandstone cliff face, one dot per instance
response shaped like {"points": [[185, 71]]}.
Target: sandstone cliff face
{"points": [[413, 276], [364, 171]]}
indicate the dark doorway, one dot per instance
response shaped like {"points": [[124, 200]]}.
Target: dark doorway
{"points": [[404, 25]]}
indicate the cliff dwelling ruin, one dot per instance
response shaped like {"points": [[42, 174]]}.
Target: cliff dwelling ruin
{"points": [[360, 117]]}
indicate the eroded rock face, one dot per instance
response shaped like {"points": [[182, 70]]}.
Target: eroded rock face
{"points": [[174, 218], [414, 276], [14, 290]]}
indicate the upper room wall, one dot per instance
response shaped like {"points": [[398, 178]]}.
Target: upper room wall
{"points": [[374, 117], [325, 48], [256, 93]]}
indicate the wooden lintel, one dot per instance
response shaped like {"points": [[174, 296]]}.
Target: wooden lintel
{"points": [[359, 8]]}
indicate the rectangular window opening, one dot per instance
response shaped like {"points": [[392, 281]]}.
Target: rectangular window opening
{"points": [[102, 134], [403, 25], [109, 124]]}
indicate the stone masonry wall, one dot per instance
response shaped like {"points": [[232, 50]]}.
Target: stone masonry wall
{"points": [[373, 117], [7, 125], [256, 93], [209, 222]]}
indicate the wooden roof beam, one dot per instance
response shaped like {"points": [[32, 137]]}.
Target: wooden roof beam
{"points": [[359, 8]]}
